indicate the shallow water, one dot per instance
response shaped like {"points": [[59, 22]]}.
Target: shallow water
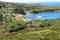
{"points": [[43, 16]]}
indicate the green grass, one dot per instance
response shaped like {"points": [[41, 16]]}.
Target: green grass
{"points": [[39, 33], [34, 34]]}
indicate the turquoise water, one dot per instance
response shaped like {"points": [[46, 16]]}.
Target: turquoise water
{"points": [[43, 16]]}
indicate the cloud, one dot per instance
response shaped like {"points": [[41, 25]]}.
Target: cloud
{"points": [[1, 0], [24, 1]]}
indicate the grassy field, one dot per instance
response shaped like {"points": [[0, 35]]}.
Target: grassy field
{"points": [[47, 33]]}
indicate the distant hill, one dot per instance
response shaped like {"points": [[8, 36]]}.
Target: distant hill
{"points": [[50, 3], [1, 2], [47, 3], [21, 8]]}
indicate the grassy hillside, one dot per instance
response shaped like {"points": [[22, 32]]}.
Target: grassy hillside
{"points": [[22, 8], [13, 29], [45, 32]]}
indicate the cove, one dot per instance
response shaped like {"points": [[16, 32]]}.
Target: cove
{"points": [[42, 16]]}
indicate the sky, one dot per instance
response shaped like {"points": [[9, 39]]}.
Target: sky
{"points": [[29, 1]]}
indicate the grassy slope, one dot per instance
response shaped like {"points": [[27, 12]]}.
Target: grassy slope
{"points": [[36, 34], [33, 7], [45, 33]]}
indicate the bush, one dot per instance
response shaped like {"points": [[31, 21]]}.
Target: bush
{"points": [[14, 26]]}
